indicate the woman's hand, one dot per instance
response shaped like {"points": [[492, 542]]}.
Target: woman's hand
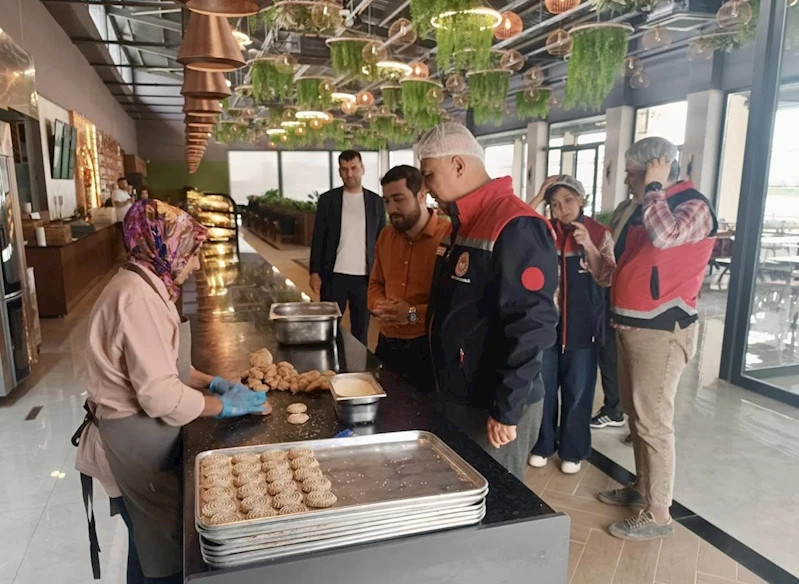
{"points": [[221, 386], [542, 192], [235, 404], [583, 238]]}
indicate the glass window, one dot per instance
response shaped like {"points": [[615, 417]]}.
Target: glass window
{"points": [[305, 173], [252, 173], [499, 160], [398, 157], [372, 171], [668, 121], [732, 158]]}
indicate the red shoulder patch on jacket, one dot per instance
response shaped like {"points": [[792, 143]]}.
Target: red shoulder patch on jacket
{"points": [[533, 279]]}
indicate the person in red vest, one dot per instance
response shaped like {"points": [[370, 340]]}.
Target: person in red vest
{"points": [[665, 246], [586, 261]]}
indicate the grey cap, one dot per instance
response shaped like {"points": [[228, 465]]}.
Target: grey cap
{"points": [[568, 181]]}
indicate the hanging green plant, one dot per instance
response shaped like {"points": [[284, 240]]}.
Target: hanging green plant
{"points": [[392, 97], [229, 132], [731, 39], [596, 60], [269, 82], [313, 94], [533, 104], [416, 106], [488, 91], [370, 140], [463, 37], [333, 130], [624, 6], [346, 53], [421, 13]]}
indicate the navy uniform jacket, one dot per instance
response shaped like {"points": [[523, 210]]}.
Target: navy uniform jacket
{"points": [[492, 311]]}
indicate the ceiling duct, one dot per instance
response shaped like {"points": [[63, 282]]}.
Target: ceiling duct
{"points": [[683, 15]]}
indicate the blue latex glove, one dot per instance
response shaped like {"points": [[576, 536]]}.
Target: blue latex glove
{"points": [[235, 404], [221, 386]]}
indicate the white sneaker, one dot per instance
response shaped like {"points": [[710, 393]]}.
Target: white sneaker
{"points": [[570, 467], [537, 461]]}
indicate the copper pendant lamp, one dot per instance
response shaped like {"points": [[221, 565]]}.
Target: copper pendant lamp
{"points": [[207, 108], [227, 8], [208, 45], [205, 84], [199, 124]]}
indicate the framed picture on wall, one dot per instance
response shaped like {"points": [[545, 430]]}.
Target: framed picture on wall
{"points": [[66, 148], [55, 151], [73, 152]]}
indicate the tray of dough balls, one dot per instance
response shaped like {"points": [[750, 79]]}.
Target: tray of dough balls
{"points": [[270, 501]]}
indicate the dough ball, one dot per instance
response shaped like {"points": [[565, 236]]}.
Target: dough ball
{"points": [[297, 408], [297, 418]]}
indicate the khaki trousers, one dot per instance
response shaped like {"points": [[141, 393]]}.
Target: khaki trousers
{"points": [[650, 365]]}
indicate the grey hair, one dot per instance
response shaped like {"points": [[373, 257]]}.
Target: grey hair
{"points": [[653, 148]]}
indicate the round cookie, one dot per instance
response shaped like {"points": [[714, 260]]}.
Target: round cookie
{"points": [[252, 490], [275, 464], [286, 499], [215, 460], [215, 493], [316, 484], [250, 477], [218, 480], [246, 457], [297, 408], [222, 518], [300, 452], [246, 468], [261, 513], [274, 455], [279, 474], [281, 487], [219, 506], [307, 472], [292, 509], [212, 471], [320, 499], [297, 419], [303, 462], [256, 502]]}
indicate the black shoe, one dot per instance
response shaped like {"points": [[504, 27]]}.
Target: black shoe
{"points": [[607, 419], [629, 440]]}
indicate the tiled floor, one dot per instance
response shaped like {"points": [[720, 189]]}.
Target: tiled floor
{"points": [[741, 457]]}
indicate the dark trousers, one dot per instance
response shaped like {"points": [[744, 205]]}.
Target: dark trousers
{"points": [[135, 575], [344, 289], [574, 373], [410, 359], [609, 373]]}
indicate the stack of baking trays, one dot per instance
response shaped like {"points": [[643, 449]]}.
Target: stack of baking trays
{"points": [[276, 500]]}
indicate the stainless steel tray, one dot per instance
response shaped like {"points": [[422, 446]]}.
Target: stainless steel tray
{"points": [[365, 537], [294, 536], [382, 472], [305, 323]]}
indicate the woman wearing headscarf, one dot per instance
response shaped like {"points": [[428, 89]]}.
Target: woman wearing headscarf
{"points": [[142, 387]]}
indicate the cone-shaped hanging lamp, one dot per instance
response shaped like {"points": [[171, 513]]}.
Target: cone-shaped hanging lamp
{"points": [[208, 45], [202, 107], [227, 8], [192, 121], [205, 84]]}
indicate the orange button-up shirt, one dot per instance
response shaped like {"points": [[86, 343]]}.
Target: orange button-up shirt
{"points": [[404, 269]]}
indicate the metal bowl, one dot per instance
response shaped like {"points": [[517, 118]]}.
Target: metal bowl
{"points": [[356, 409], [305, 323]]}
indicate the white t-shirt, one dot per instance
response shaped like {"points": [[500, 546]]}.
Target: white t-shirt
{"points": [[120, 196], [351, 255]]}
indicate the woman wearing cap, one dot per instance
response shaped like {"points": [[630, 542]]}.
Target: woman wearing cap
{"points": [[586, 261], [142, 387]]}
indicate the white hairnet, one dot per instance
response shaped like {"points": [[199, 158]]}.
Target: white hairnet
{"points": [[449, 139], [645, 151]]}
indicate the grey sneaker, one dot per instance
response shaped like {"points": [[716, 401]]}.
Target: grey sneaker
{"points": [[625, 497], [642, 527]]}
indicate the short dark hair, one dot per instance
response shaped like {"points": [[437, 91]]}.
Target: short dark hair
{"points": [[122, 178], [412, 176], [349, 156]]}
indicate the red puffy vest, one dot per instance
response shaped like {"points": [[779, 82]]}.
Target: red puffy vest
{"points": [[658, 288]]}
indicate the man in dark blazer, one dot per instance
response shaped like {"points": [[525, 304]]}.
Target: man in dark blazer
{"points": [[348, 222]]}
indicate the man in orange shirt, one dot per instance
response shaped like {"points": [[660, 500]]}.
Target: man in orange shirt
{"points": [[399, 286]]}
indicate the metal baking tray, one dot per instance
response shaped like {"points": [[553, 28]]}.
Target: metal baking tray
{"points": [[305, 323], [366, 537], [381, 472], [294, 536]]}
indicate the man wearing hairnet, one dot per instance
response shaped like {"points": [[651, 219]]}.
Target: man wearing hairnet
{"points": [[665, 248], [491, 312]]}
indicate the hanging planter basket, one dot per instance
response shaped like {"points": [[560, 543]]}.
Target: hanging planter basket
{"points": [[625, 6], [314, 93], [533, 104], [465, 28], [596, 60], [392, 97], [416, 105], [488, 92], [303, 16], [270, 82], [346, 54], [732, 39]]}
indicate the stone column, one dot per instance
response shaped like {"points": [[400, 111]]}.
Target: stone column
{"points": [[620, 129], [703, 140], [537, 143]]}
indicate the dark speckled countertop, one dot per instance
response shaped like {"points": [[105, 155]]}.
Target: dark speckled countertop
{"points": [[229, 317]]}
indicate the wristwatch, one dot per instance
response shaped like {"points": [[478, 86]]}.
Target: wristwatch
{"points": [[653, 186], [413, 317]]}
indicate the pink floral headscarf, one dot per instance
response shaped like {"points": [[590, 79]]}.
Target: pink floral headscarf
{"points": [[162, 239]]}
